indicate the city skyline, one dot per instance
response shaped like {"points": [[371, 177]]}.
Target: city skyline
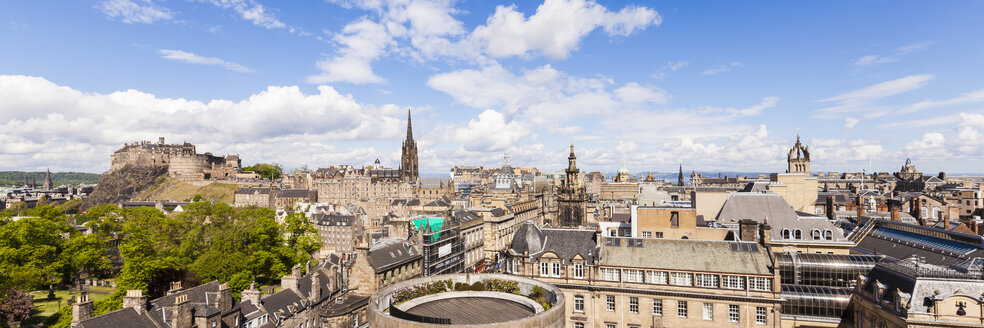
{"points": [[714, 86]]}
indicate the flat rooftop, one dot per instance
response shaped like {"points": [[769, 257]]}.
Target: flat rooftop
{"points": [[473, 310]]}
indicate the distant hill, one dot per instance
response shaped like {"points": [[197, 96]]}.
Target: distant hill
{"points": [[16, 178]]}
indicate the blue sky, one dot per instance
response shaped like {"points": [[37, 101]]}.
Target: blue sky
{"points": [[712, 85]]}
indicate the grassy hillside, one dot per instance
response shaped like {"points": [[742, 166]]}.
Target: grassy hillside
{"points": [[16, 178], [174, 189]]}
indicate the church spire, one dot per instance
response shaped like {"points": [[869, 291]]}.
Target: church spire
{"points": [[409, 127], [47, 180], [680, 177]]}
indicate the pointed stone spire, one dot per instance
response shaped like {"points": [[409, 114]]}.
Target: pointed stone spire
{"points": [[680, 177], [47, 180], [409, 127]]}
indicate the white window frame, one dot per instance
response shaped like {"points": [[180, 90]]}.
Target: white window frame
{"points": [[633, 305], [610, 303], [579, 303], [647, 234], [657, 307], [544, 269], [657, 277], [733, 282], [682, 309], [630, 275], [707, 280], [681, 279], [760, 283], [761, 316], [734, 313], [579, 271], [610, 274], [707, 311], [556, 269]]}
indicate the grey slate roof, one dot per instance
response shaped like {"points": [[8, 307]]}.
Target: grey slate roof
{"points": [[297, 193], [766, 206], [565, 243], [127, 317], [251, 190], [333, 219], [390, 253], [688, 255]]}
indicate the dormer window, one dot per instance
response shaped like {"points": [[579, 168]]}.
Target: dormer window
{"points": [[785, 234]]}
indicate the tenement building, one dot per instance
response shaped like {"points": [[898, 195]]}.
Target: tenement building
{"points": [[626, 282]]}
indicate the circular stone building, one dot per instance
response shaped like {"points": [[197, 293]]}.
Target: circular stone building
{"points": [[480, 300]]}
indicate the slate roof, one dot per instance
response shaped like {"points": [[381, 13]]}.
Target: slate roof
{"points": [[390, 253], [297, 193], [127, 317], [285, 300], [251, 190], [766, 206], [689, 255], [438, 203], [922, 281], [333, 219], [565, 243]]}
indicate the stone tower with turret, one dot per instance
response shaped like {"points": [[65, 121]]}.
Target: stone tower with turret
{"points": [[571, 198], [47, 181], [408, 161], [798, 158]]}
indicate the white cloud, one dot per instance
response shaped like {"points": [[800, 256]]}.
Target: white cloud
{"points": [[850, 122], [48, 124], [490, 133], [361, 42], [722, 68], [427, 30], [557, 27], [839, 151], [135, 11], [250, 10], [870, 60], [626, 147], [187, 57], [634, 93], [861, 100], [967, 98], [931, 146]]}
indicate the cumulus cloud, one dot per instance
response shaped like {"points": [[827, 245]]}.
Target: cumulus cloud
{"points": [[973, 97], [187, 57], [557, 27], [491, 132], [932, 145], [426, 30], [135, 11], [839, 151], [635, 94], [46, 123], [850, 122]]}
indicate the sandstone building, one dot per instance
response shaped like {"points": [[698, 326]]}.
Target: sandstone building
{"points": [[182, 160]]}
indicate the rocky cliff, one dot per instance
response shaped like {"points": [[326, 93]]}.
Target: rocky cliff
{"points": [[124, 184]]}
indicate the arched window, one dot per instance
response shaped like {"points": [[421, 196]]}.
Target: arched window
{"points": [[785, 234], [798, 234], [828, 235], [815, 234]]}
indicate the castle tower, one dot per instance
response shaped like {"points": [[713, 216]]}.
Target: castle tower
{"points": [[47, 180], [680, 177], [408, 161], [798, 158]]}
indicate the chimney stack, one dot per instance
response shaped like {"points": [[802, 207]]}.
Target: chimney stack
{"points": [[175, 288], [290, 281], [830, 207], [748, 230], [946, 222], [135, 299], [224, 299], [860, 204], [916, 207], [315, 288], [181, 312], [766, 231], [82, 309], [893, 208], [252, 295]]}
